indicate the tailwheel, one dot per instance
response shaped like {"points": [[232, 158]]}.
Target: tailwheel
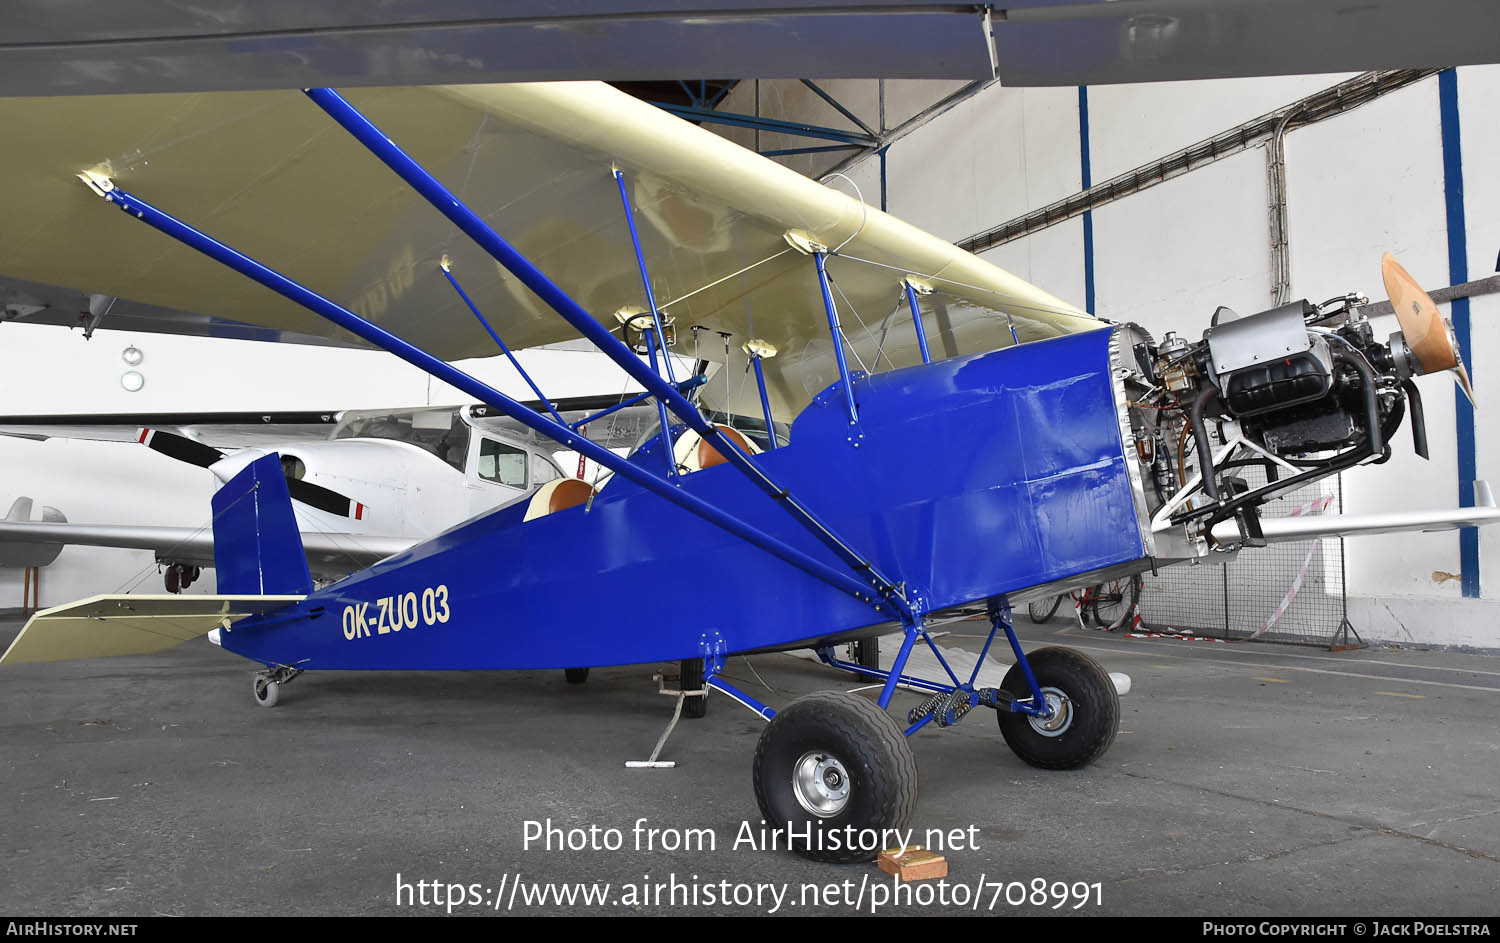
{"points": [[1085, 710], [267, 692], [266, 685], [690, 678], [576, 675], [834, 761]]}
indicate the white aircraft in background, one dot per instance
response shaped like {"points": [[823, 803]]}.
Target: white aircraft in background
{"points": [[378, 482]]}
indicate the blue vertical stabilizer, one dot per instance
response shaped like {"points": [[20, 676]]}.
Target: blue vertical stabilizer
{"points": [[257, 546]]}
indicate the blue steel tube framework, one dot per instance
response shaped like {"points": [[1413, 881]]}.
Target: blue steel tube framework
{"points": [[898, 666], [821, 259], [378, 336], [916, 320], [765, 401], [475, 228], [999, 611]]}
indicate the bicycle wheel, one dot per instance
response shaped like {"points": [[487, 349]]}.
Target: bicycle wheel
{"points": [[1042, 610], [1112, 605]]}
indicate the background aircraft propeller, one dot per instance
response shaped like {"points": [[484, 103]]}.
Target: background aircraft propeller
{"points": [[183, 449]]}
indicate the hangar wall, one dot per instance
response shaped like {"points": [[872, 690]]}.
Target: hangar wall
{"points": [[1364, 182]]}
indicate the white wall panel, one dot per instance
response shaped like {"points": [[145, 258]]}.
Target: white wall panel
{"points": [[1358, 185], [1052, 258], [1167, 257], [47, 369], [1136, 124]]}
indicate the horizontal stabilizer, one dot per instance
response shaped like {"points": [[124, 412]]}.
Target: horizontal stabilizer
{"points": [[101, 626], [24, 554], [1308, 527]]}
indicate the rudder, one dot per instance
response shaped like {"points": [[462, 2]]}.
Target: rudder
{"points": [[257, 544]]}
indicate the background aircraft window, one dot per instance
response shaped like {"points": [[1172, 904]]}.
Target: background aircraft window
{"points": [[439, 431], [502, 463], [543, 471]]}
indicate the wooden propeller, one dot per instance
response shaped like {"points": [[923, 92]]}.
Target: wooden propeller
{"points": [[1428, 334]]}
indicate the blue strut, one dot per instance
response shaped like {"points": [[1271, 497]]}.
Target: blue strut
{"points": [[544, 288], [500, 343], [916, 320], [765, 402], [821, 259]]}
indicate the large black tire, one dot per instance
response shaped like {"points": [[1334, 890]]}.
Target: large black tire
{"points": [[1088, 705], [837, 742], [867, 655], [1042, 610], [690, 678], [576, 675]]}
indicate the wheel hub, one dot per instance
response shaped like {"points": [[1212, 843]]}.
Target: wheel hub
{"points": [[821, 784], [1059, 714]]}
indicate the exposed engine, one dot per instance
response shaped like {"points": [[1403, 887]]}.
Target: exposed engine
{"points": [[1302, 391]]}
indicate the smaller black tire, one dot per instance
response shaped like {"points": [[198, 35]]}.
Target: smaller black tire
{"points": [[690, 678], [838, 762], [576, 675], [1087, 705], [867, 655]]}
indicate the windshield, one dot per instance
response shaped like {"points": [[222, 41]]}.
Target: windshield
{"points": [[441, 432]]}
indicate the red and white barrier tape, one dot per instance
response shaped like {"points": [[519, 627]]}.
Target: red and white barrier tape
{"points": [[1316, 506]]}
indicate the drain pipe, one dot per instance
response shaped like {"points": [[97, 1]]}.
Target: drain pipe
{"points": [[1281, 270]]}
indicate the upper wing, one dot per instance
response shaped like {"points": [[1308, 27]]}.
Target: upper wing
{"points": [[269, 174], [129, 625]]}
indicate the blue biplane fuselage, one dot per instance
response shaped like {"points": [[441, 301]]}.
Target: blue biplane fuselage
{"points": [[963, 480]]}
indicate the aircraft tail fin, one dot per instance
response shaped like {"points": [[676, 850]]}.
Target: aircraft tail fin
{"points": [[257, 544]]}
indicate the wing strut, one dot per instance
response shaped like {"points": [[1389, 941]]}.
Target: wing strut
{"points": [[658, 336], [137, 208], [475, 228], [448, 272]]}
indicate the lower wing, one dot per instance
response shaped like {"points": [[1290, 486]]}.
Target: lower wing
{"points": [[130, 625]]}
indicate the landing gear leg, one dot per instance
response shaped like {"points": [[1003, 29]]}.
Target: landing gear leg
{"points": [[267, 684]]}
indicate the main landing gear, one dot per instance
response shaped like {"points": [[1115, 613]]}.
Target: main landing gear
{"points": [[836, 773]]}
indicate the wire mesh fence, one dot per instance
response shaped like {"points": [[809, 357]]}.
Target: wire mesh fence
{"points": [[1290, 593]]}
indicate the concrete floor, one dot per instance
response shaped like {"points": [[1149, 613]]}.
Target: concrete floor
{"points": [[1247, 780]]}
